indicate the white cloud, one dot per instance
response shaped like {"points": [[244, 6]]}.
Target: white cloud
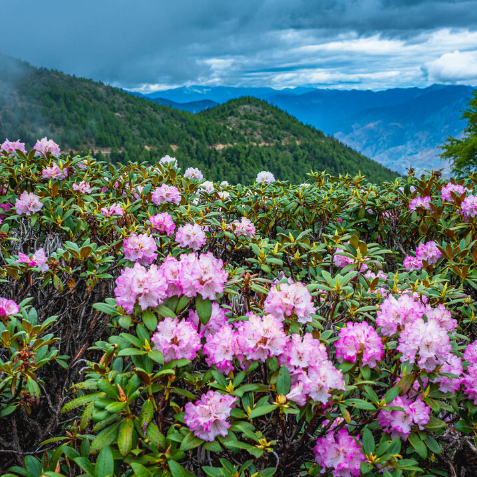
{"points": [[455, 67]]}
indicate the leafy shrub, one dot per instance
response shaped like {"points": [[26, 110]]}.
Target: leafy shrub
{"points": [[208, 329]]}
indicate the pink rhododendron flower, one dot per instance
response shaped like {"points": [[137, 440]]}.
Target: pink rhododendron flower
{"points": [[83, 187], [321, 379], [469, 206], [426, 344], [207, 418], [359, 339], [38, 259], [340, 453], [5, 207], [191, 235], [399, 423], [11, 146], [469, 382], [216, 321], [176, 339], [453, 365], [138, 284], [412, 263], [163, 224], [207, 186], [8, 307], [115, 209], [140, 248], [442, 316], [428, 252], [168, 161], [420, 203], [54, 172], [28, 203], [455, 188], [470, 354], [222, 348], [265, 177], [341, 260], [166, 193], [193, 173], [393, 314], [302, 352], [261, 338], [44, 146], [286, 300], [202, 275], [171, 268], [244, 227]]}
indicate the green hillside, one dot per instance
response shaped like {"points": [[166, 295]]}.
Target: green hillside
{"points": [[231, 142]]}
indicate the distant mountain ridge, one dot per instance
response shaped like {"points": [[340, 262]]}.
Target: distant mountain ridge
{"points": [[399, 128], [233, 141]]}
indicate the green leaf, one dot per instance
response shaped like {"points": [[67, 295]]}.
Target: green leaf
{"points": [[105, 438], [260, 411], [131, 352], [391, 394], [78, 402], [178, 471], [150, 320], [105, 308], [435, 423], [190, 442], [283, 381], [156, 356], [360, 404], [368, 441], [105, 464], [204, 309], [418, 445], [125, 437], [165, 312], [140, 470], [86, 465], [463, 426]]}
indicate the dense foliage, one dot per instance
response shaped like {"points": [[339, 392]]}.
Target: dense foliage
{"points": [[233, 142], [156, 324], [462, 152]]}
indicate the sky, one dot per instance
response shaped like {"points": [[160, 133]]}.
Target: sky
{"points": [[151, 45]]}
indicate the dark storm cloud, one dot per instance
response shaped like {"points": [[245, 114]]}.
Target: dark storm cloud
{"points": [[154, 43]]}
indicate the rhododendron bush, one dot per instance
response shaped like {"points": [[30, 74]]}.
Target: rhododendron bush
{"points": [[154, 323]]}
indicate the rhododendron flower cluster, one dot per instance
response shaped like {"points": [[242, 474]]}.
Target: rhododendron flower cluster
{"points": [[83, 187], [341, 260], [166, 193], [140, 248], [8, 307], [11, 146], [450, 187], [168, 161], [265, 177], [115, 209], [428, 252], [285, 300], [261, 337], [54, 172], [207, 418], [163, 224], [176, 339], [38, 259], [244, 227], [44, 146], [412, 263], [420, 203], [399, 423], [469, 206], [222, 348], [424, 343], [193, 173], [340, 452], [207, 186], [28, 203], [359, 340], [147, 287], [191, 236]]}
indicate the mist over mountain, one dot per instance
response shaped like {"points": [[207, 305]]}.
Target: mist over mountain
{"points": [[399, 128]]}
